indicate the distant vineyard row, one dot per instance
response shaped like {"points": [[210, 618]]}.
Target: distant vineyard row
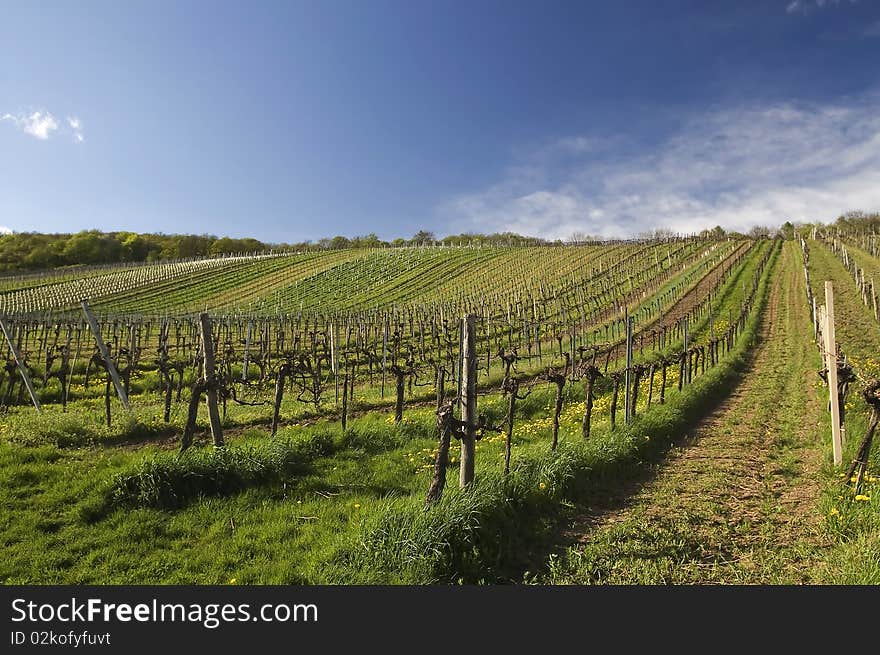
{"points": [[341, 282]]}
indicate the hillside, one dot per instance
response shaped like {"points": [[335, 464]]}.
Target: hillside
{"points": [[699, 454]]}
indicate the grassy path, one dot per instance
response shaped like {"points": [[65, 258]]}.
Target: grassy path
{"points": [[737, 500]]}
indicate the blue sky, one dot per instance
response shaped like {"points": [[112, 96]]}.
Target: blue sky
{"points": [[291, 121]]}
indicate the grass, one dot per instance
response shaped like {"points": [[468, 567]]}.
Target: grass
{"points": [[853, 524], [738, 501], [83, 503], [485, 534], [792, 518], [104, 510]]}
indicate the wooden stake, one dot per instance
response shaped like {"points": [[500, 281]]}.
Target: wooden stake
{"points": [[105, 355], [211, 392], [247, 348], [874, 300], [21, 367], [468, 398], [627, 405], [831, 365]]}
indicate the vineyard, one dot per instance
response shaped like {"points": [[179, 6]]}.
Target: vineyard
{"points": [[293, 417]]}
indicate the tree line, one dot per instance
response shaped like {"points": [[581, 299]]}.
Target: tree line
{"points": [[22, 251]]}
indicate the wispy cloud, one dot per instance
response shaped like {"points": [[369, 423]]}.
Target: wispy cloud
{"points": [[872, 31], [755, 165], [38, 124], [806, 6], [76, 125], [42, 124]]}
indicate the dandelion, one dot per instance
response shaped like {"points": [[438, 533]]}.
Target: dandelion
{"points": [[542, 485], [232, 580], [834, 512], [357, 505], [863, 497]]}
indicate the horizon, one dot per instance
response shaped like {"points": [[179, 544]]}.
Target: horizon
{"points": [[292, 122], [433, 239]]}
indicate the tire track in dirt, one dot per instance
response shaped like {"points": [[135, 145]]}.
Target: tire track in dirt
{"points": [[736, 500]]}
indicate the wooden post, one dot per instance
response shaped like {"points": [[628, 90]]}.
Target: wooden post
{"points": [[711, 322], [247, 348], [105, 355], [384, 356], [333, 366], [468, 398], [874, 300], [686, 371], [210, 392], [831, 365], [627, 404], [21, 369], [344, 400]]}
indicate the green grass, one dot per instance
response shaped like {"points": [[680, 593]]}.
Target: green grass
{"points": [[486, 533], [854, 524], [84, 503], [737, 504], [294, 514]]}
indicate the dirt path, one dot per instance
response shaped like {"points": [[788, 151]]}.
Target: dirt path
{"points": [[736, 500], [683, 306]]}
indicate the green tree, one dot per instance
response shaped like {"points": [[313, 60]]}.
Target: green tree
{"points": [[339, 242], [423, 238]]}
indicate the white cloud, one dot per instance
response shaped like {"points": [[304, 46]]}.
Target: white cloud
{"points": [[42, 124], [756, 165], [5, 230], [805, 6], [38, 124], [76, 126]]}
